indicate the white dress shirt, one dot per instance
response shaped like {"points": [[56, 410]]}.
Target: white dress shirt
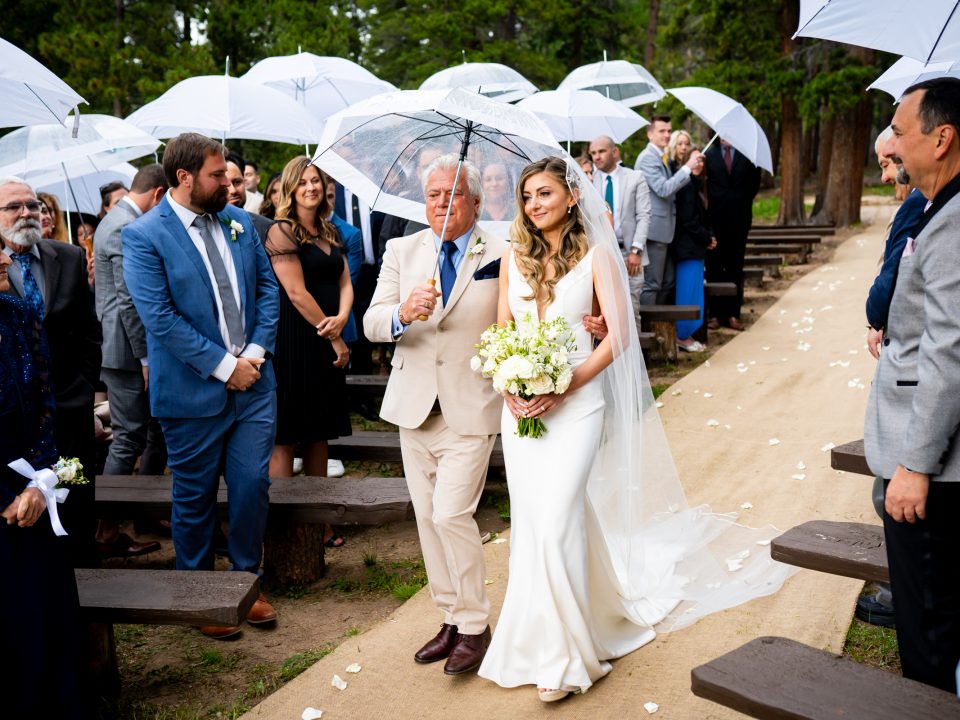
{"points": [[225, 369], [369, 258], [615, 176]]}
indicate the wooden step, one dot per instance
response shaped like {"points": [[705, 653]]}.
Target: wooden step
{"points": [[777, 249], [759, 260], [850, 457], [854, 550], [783, 239], [720, 289]]}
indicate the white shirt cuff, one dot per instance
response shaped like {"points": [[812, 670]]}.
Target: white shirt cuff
{"points": [[224, 370], [252, 350], [685, 169], [398, 327], [143, 361]]}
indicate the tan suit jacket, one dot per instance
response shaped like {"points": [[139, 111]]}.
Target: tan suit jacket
{"points": [[432, 359]]}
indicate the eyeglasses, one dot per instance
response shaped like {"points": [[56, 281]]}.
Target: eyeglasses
{"points": [[44, 210], [32, 206]]}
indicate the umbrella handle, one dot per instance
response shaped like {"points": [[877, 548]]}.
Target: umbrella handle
{"points": [[432, 282]]}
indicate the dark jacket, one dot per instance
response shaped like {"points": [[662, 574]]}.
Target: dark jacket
{"points": [[730, 193], [692, 233]]}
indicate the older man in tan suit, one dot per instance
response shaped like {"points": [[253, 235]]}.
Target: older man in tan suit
{"points": [[448, 415]]}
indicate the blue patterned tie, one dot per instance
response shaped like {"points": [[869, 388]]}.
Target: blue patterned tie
{"points": [[31, 291], [608, 193], [448, 271]]}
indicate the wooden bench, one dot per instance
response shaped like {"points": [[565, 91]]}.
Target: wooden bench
{"points": [[719, 289], [854, 550], [660, 320], [753, 274], [384, 446], [155, 597], [821, 230], [773, 678], [768, 263], [850, 457], [798, 253]]}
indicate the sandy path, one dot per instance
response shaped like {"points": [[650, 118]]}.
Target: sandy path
{"points": [[800, 375]]}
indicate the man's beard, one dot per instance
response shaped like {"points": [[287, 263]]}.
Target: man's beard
{"points": [[903, 177], [213, 203], [25, 233]]}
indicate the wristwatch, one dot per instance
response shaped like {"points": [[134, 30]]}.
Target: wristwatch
{"points": [[636, 251]]}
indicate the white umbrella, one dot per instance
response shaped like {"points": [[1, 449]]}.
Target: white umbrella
{"points": [[378, 147], [30, 93], [928, 31], [491, 79], [575, 115], [626, 82], [221, 106], [82, 194], [907, 71], [730, 120], [323, 85], [43, 154]]}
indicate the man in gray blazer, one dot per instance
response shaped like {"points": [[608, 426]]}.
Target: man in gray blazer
{"points": [[914, 411], [663, 184], [626, 193], [124, 365]]}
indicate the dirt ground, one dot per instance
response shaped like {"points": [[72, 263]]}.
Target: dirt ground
{"points": [[175, 672]]}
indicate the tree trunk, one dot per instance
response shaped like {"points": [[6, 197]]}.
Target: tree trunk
{"points": [[653, 18], [293, 553], [824, 155], [791, 132]]}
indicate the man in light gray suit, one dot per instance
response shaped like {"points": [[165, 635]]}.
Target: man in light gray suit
{"points": [[626, 193], [663, 184], [914, 411], [124, 365]]}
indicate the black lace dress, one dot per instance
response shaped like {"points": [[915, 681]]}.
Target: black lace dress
{"points": [[311, 392], [39, 620]]}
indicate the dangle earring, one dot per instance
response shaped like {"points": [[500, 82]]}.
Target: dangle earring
{"points": [[569, 208]]}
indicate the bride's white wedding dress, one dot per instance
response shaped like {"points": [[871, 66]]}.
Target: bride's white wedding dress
{"points": [[561, 618]]}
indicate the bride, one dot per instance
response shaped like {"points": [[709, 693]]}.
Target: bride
{"points": [[604, 550]]}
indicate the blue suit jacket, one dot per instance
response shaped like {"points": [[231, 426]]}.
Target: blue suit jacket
{"points": [[172, 292], [352, 240], [881, 292]]}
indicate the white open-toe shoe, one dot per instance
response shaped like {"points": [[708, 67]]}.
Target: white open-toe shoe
{"points": [[552, 695]]}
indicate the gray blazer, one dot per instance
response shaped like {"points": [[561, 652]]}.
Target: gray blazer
{"points": [[124, 340], [914, 409], [632, 205], [663, 186]]}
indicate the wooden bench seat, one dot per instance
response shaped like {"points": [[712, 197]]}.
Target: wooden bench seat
{"points": [[774, 678], [783, 239], [384, 446], [821, 230], [660, 321], [777, 249], [753, 273], [854, 550], [850, 457], [760, 260], [719, 289]]}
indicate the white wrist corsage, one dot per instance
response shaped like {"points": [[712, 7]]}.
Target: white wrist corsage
{"points": [[233, 226], [478, 246]]}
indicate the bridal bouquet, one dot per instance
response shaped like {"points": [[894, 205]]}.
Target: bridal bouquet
{"points": [[527, 358]]}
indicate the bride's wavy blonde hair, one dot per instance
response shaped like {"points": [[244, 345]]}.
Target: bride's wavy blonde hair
{"points": [[532, 249]]}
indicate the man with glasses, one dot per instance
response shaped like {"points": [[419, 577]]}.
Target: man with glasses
{"points": [[52, 277]]}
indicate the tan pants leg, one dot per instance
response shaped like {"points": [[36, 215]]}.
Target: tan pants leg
{"points": [[445, 474]]}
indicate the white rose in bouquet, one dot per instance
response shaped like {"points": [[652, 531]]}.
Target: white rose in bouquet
{"points": [[475, 363], [563, 380], [540, 385], [516, 367]]}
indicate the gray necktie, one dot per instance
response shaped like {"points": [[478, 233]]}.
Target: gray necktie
{"points": [[231, 312]]}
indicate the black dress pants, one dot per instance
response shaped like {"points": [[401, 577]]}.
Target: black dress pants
{"points": [[925, 578]]}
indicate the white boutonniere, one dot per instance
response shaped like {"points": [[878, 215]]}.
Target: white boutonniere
{"points": [[478, 246], [233, 226]]}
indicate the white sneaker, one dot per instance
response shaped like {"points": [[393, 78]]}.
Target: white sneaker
{"points": [[335, 468], [297, 465]]}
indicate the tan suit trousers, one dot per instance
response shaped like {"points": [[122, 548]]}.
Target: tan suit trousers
{"points": [[445, 474]]}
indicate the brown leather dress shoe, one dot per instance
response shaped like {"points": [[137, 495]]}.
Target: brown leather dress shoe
{"points": [[734, 324], [261, 612], [713, 324], [218, 632], [126, 546], [440, 647], [468, 653]]}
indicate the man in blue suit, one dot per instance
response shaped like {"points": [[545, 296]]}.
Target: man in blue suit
{"points": [[203, 287]]}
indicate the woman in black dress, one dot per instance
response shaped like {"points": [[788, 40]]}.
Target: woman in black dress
{"points": [[315, 300], [39, 619]]}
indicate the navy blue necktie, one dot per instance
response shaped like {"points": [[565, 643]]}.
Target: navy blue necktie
{"points": [[31, 291], [448, 271]]}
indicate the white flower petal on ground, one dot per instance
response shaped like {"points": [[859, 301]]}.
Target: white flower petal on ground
{"points": [[773, 441], [708, 395], [746, 506], [677, 392], [801, 465], [763, 542], [354, 668], [734, 564], [659, 404], [798, 476], [499, 541], [728, 427], [488, 581], [339, 683], [803, 347], [826, 307], [852, 352], [651, 707], [764, 347], [828, 447], [311, 713], [713, 423], [707, 363]]}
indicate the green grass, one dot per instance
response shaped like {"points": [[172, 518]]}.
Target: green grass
{"points": [[353, 632], [767, 208], [499, 502], [872, 645], [296, 664], [402, 579], [212, 661], [659, 389], [879, 189]]}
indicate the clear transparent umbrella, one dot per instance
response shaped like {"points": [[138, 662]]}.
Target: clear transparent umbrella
{"points": [[907, 71], [491, 79], [225, 107], [82, 194], [928, 31], [619, 80], [582, 115], [730, 120], [30, 93]]}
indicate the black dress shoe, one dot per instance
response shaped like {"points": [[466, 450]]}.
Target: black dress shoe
{"points": [[871, 610], [468, 653], [439, 647]]}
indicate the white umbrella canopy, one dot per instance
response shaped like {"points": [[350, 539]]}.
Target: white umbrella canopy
{"points": [[225, 107], [379, 147], [619, 80], [323, 85], [730, 120], [82, 194], [907, 71], [31, 94], [582, 115], [49, 153], [927, 31], [491, 79]]}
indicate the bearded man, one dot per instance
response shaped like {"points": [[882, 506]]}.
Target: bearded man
{"points": [[208, 300]]}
